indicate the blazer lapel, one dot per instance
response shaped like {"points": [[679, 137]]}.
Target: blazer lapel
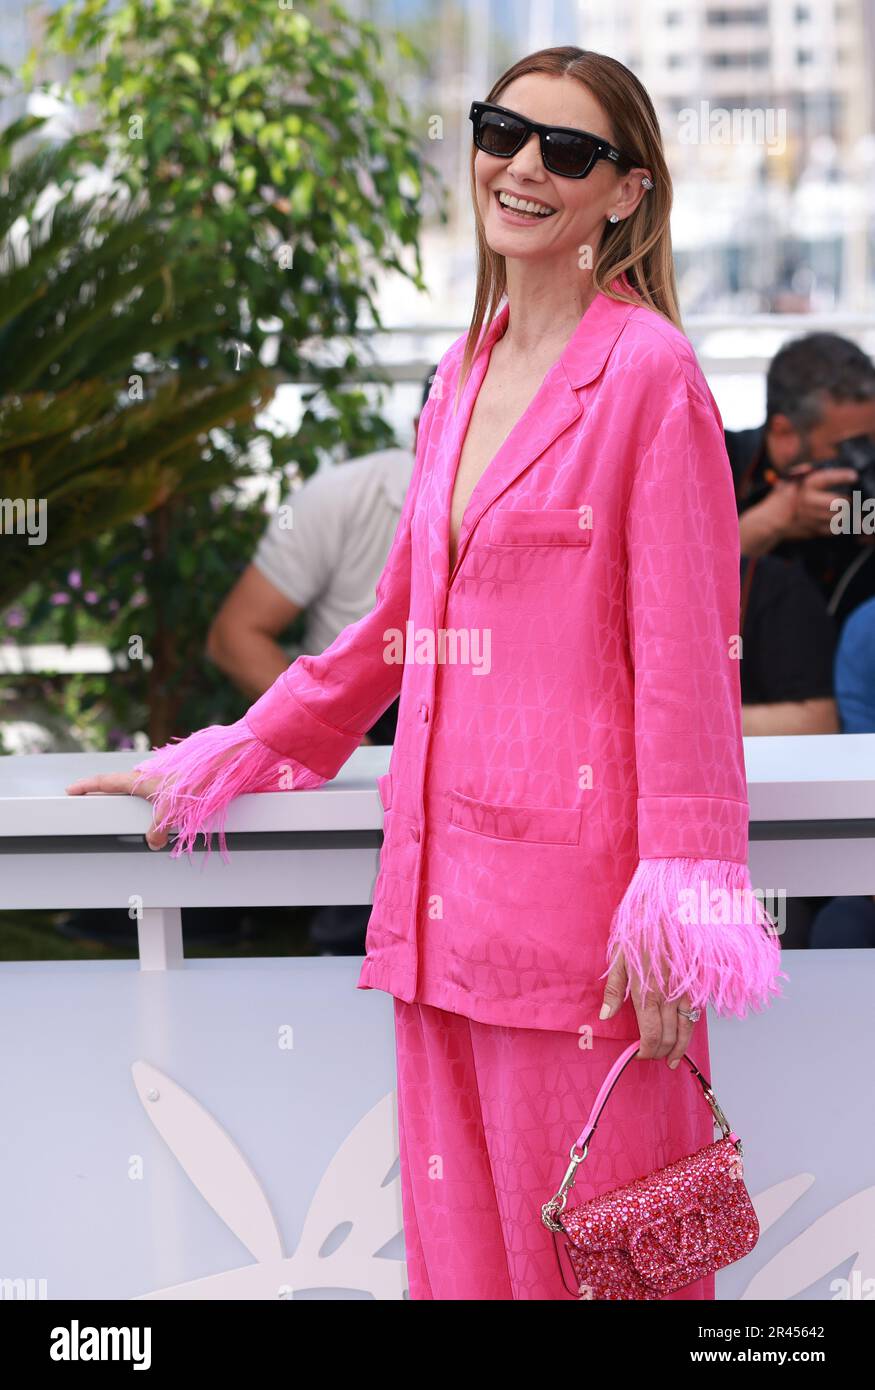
{"points": [[555, 406]]}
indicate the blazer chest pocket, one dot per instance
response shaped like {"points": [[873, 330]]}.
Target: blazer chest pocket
{"points": [[540, 526], [546, 825]]}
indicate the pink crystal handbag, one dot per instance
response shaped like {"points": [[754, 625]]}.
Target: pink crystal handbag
{"points": [[660, 1232]]}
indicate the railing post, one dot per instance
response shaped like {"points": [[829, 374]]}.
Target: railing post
{"points": [[159, 933]]}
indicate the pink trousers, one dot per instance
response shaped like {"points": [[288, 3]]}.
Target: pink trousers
{"points": [[486, 1118]]}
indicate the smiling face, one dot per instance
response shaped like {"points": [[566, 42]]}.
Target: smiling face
{"points": [[508, 188]]}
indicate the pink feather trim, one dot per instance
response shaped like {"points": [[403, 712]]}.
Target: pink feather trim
{"points": [[202, 774], [694, 926]]}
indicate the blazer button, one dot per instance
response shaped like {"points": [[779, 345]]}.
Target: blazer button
{"points": [[414, 832], [423, 713]]}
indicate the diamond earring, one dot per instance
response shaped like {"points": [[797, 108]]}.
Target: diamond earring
{"points": [[614, 217], [646, 183]]}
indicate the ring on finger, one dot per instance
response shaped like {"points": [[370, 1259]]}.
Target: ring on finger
{"points": [[694, 1015]]}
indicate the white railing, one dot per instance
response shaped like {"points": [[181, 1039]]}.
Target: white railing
{"points": [[812, 804]]}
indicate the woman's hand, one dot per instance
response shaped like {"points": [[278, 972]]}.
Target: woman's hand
{"points": [[664, 1032], [122, 784], [152, 789]]}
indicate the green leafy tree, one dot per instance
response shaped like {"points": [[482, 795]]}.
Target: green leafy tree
{"points": [[93, 435], [268, 139], [264, 143]]}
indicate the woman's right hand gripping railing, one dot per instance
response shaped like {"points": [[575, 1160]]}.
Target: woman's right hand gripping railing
{"points": [[190, 782]]}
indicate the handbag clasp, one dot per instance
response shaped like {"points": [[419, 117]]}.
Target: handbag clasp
{"points": [[717, 1112], [550, 1210]]}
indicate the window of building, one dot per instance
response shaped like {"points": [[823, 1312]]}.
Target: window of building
{"points": [[750, 14], [754, 58]]}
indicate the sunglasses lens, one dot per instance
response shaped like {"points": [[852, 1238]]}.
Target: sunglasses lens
{"points": [[569, 154], [499, 134]]}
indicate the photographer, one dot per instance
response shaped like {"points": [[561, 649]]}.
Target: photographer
{"points": [[815, 447]]}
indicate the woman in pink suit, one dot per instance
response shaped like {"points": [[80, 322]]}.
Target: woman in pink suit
{"points": [[566, 797]]}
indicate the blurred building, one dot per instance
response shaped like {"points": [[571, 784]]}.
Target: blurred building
{"points": [[813, 59], [768, 112], [18, 28], [778, 214], [775, 217]]}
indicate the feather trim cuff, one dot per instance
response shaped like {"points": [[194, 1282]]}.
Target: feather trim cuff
{"points": [[202, 774], [696, 927]]}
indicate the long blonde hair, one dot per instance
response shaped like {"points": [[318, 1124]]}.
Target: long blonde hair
{"points": [[639, 246]]}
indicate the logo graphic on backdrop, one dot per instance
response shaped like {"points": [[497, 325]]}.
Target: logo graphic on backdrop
{"points": [[352, 1191]]}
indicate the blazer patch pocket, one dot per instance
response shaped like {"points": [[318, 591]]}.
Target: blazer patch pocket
{"points": [[540, 526], [553, 825]]}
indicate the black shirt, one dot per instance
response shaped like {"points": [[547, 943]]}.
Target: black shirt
{"points": [[788, 638], [383, 731], [824, 558]]}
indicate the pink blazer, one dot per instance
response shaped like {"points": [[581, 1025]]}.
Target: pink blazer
{"points": [[567, 778]]}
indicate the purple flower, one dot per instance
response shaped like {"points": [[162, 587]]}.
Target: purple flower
{"points": [[90, 596], [57, 599], [15, 617], [74, 579]]}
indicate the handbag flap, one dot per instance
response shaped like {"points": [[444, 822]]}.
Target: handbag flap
{"points": [[671, 1226]]}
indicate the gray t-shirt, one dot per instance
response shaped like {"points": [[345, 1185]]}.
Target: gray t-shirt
{"points": [[343, 522]]}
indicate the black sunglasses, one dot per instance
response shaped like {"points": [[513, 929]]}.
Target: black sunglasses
{"points": [[570, 153]]}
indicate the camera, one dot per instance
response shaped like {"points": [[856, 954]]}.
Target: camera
{"points": [[859, 454]]}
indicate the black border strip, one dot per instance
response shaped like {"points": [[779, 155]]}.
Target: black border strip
{"points": [[812, 830]]}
